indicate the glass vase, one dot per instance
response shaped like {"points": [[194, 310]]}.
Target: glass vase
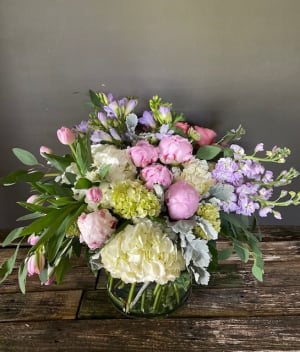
{"points": [[149, 299]]}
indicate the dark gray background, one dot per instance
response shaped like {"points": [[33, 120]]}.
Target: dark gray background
{"points": [[221, 62]]}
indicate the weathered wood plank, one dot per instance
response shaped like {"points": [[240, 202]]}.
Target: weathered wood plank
{"points": [[240, 335], [210, 302], [39, 306]]}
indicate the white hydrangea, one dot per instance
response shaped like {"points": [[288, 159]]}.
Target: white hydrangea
{"points": [[121, 167], [196, 173], [141, 253]]}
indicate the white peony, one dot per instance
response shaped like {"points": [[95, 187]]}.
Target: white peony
{"points": [[121, 167]]}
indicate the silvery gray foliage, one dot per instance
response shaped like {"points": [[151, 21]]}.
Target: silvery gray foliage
{"points": [[195, 250], [207, 227], [131, 123], [222, 192], [95, 262]]}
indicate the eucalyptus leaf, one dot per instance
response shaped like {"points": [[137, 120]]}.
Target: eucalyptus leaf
{"points": [[25, 156]]}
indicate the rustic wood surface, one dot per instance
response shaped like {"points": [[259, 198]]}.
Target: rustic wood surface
{"points": [[234, 313]]}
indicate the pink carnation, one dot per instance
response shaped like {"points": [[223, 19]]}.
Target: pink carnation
{"points": [[207, 136], [156, 173], [143, 154], [175, 149], [96, 227], [182, 200]]}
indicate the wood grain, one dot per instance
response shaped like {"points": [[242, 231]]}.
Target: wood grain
{"points": [[233, 313]]}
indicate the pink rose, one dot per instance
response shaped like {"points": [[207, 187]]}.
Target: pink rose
{"points": [[94, 195], [96, 227], [46, 150], [143, 154], [207, 136], [156, 173], [183, 126], [65, 136], [35, 264], [182, 200], [175, 149]]}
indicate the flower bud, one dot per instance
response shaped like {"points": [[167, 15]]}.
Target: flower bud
{"points": [[46, 150]]}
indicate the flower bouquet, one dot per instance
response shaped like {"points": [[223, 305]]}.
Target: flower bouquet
{"points": [[146, 197]]}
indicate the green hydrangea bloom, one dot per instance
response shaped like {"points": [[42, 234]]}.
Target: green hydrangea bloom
{"points": [[130, 199], [209, 212]]}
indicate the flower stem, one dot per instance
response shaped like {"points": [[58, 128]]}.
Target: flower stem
{"points": [[157, 295], [130, 296], [139, 294]]}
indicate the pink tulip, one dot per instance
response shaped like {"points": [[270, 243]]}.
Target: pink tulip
{"points": [[65, 136], [143, 154], [174, 150], [96, 227], [32, 199], [182, 200], [46, 150], [33, 239], [35, 264], [207, 136], [156, 174]]}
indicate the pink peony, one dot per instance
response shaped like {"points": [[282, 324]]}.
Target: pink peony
{"points": [[207, 135], [94, 195], [182, 200], [143, 154], [156, 173], [175, 149], [35, 264], [96, 227], [65, 136], [183, 126]]}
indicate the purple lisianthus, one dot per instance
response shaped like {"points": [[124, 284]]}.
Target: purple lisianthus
{"points": [[99, 136], [164, 131], [83, 127], [147, 119]]}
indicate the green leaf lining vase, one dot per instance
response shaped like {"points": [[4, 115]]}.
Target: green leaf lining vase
{"points": [[149, 299]]}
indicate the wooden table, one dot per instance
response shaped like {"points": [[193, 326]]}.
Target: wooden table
{"points": [[234, 313]]}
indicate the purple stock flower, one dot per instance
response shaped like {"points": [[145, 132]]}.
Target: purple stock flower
{"points": [[238, 152], [147, 119], [227, 170], [252, 169], [264, 212], [259, 148], [267, 177]]}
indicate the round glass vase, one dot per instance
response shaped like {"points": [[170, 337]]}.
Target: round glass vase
{"points": [[149, 299]]}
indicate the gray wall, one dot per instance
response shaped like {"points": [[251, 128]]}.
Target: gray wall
{"points": [[222, 62]]}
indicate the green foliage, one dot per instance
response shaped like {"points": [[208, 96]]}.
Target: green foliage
{"points": [[7, 267], [239, 231], [95, 99], [208, 152], [21, 176], [60, 163]]}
